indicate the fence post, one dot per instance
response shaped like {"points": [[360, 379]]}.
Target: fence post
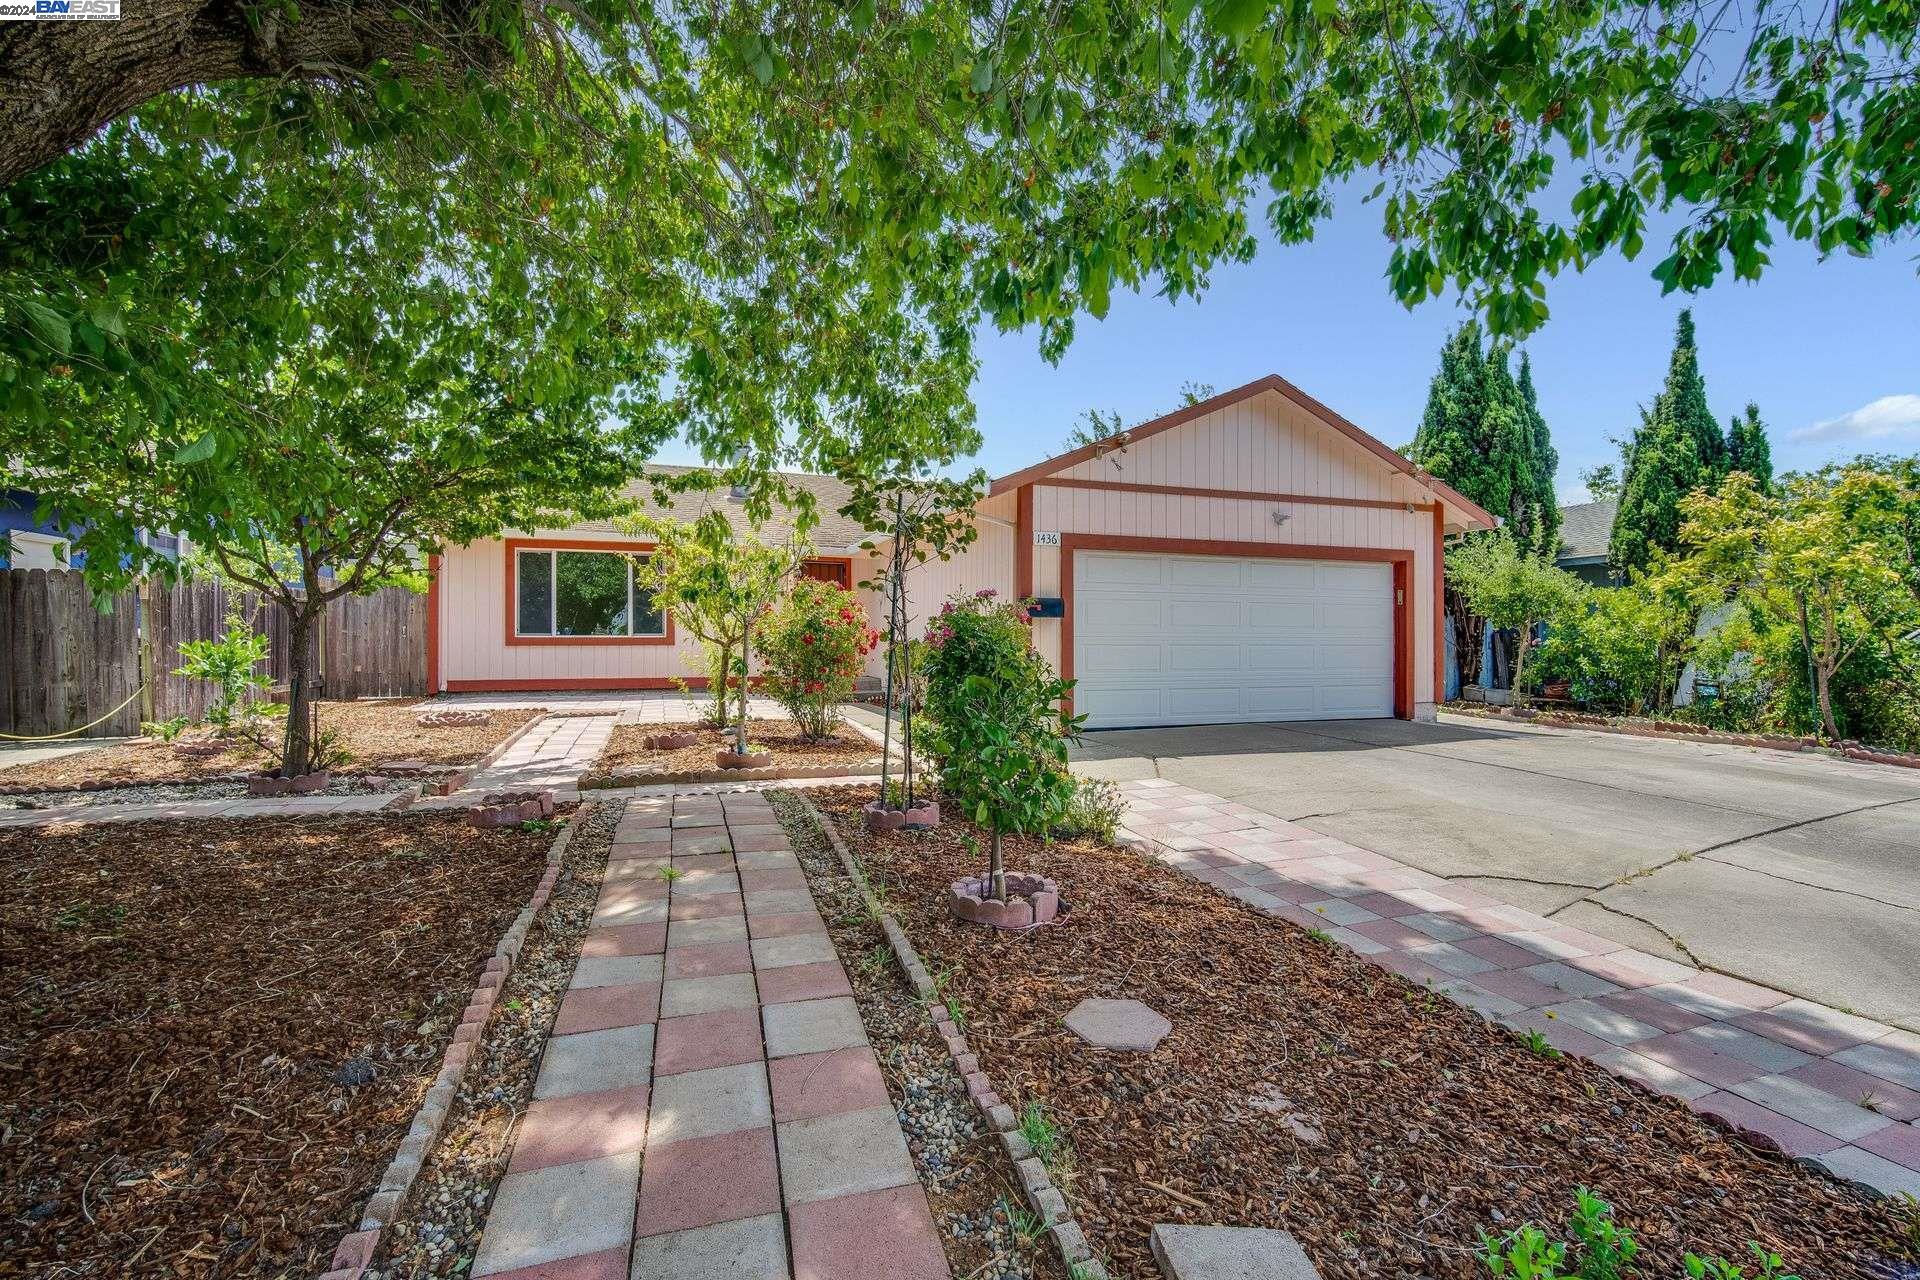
{"points": [[144, 666]]}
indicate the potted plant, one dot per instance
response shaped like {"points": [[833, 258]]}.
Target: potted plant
{"points": [[1001, 738]]}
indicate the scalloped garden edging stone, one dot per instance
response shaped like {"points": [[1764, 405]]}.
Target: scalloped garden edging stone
{"points": [[452, 718], [879, 817], [1035, 1184], [1032, 900], [353, 1254], [511, 808]]}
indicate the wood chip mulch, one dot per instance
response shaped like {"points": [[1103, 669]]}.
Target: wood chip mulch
{"points": [[1306, 1089], [213, 1036], [375, 734], [626, 753]]}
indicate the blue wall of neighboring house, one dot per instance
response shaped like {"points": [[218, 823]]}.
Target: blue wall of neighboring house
{"points": [[17, 513]]}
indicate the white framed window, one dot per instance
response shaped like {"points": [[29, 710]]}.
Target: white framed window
{"points": [[576, 594]]}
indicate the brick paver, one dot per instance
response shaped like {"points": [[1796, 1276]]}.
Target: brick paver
{"points": [[708, 1104], [1831, 1086]]}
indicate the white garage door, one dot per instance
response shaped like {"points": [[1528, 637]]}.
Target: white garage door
{"points": [[1212, 640]]}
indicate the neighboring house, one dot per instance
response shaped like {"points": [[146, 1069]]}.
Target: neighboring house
{"points": [[1251, 557], [43, 544], [1586, 530]]}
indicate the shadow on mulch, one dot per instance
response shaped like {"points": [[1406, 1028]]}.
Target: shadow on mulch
{"points": [[375, 734], [214, 1035], [1306, 1089]]}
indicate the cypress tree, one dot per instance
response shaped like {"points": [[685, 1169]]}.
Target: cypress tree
{"points": [[1483, 434], [1678, 448], [1545, 464], [1748, 449]]}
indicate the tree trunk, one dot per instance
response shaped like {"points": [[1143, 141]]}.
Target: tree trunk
{"points": [[740, 729], [64, 81], [1522, 647], [296, 756], [997, 869]]}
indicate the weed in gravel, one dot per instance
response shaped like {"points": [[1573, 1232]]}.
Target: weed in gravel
{"points": [[875, 962], [540, 824], [1537, 1044], [944, 996], [1026, 1224]]}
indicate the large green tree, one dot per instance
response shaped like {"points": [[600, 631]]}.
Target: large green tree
{"points": [[1483, 433], [1677, 449], [1048, 153], [1748, 448]]}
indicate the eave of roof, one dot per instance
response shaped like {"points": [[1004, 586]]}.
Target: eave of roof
{"points": [[1472, 511]]}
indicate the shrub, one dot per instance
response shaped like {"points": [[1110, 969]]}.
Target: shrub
{"points": [[814, 644], [227, 661], [1511, 588], [1601, 1250], [998, 731], [1094, 810]]}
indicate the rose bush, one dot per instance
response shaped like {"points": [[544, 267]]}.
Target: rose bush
{"points": [[814, 644]]}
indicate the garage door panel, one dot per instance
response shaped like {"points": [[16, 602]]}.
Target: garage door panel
{"points": [[1188, 614], [1282, 701], [1283, 659], [1280, 575], [1123, 615], [1121, 656], [1205, 657], [1205, 572], [1213, 640], [1124, 571]]}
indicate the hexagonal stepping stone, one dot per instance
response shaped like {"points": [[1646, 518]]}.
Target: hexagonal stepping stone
{"points": [[1187, 1252], [1126, 1025]]}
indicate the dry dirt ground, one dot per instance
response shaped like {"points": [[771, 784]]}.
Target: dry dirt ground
{"points": [[375, 734], [212, 1036], [1306, 1089]]}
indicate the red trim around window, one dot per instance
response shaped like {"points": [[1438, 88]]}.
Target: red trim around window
{"points": [[1401, 560], [516, 545]]}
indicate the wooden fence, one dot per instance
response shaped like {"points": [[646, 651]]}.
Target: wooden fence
{"points": [[65, 662]]}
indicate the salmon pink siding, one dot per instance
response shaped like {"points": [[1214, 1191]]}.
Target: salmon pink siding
{"points": [[1254, 474], [1268, 446]]}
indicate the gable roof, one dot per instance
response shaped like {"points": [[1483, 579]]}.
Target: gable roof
{"points": [[1586, 529], [1472, 511]]}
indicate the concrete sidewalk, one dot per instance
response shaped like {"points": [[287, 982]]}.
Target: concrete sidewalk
{"points": [[1817, 1083], [708, 1107]]}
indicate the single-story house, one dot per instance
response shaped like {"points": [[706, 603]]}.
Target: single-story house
{"points": [[1251, 557], [1586, 531], [43, 542]]}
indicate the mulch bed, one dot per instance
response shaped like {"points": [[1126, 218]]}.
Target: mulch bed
{"points": [[438, 1231], [1306, 1089], [376, 735], [212, 1037], [626, 755], [968, 1177]]}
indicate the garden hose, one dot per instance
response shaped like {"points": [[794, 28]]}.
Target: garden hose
{"points": [[68, 733]]}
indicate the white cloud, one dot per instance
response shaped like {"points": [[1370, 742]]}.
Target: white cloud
{"points": [[1887, 416]]}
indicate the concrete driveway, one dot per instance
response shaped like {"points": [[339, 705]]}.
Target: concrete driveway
{"points": [[1799, 872]]}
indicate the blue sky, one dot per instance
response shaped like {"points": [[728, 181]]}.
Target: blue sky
{"points": [[1834, 343]]}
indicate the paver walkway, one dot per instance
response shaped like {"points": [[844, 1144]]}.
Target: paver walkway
{"points": [[1820, 1084], [550, 756], [708, 1107]]}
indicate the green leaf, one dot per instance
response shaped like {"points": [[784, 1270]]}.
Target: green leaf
{"points": [[49, 325], [199, 449]]}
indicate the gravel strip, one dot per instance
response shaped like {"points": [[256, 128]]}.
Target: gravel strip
{"points": [[970, 1183], [439, 1229]]}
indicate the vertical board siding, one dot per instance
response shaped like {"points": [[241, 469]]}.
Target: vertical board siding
{"points": [[1266, 444], [66, 663]]}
